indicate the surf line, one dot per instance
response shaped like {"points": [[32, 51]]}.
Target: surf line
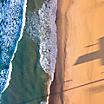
{"points": [[21, 35]]}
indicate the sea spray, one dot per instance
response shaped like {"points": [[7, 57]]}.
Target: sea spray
{"points": [[12, 21]]}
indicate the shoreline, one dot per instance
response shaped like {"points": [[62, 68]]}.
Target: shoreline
{"points": [[57, 86], [48, 41], [48, 37], [80, 26], [57, 78]]}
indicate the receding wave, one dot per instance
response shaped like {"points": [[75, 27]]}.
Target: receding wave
{"points": [[42, 28]]}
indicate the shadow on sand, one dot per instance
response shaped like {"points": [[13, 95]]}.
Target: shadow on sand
{"points": [[94, 55]]}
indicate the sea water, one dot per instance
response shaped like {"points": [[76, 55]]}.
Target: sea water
{"points": [[35, 58], [12, 20], [42, 26]]}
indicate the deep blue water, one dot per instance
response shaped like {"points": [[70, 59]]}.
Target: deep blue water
{"points": [[11, 20]]}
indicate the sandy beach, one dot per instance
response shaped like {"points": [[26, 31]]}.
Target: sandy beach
{"points": [[80, 65], [57, 85]]}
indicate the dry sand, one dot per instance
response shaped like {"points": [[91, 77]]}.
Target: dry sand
{"points": [[80, 53]]}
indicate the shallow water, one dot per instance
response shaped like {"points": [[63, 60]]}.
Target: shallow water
{"points": [[29, 81], [12, 20]]}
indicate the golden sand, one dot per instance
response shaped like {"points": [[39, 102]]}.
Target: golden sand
{"points": [[80, 53]]}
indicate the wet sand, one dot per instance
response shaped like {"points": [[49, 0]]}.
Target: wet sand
{"points": [[57, 85], [80, 53]]}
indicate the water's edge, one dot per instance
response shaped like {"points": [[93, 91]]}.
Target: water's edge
{"points": [[42, 26], [48, 41]]}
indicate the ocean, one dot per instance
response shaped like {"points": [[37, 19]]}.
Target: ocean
{"points": [[28, 50]]}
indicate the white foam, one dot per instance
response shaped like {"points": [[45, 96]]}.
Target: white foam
{"points": [[48, 37], [21, 34], [48, 41]]}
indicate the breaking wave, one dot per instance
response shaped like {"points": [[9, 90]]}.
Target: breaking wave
{"points": [[12, 21]]}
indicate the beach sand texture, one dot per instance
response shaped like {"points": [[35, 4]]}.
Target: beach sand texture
{"points": [[80, 62]]}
